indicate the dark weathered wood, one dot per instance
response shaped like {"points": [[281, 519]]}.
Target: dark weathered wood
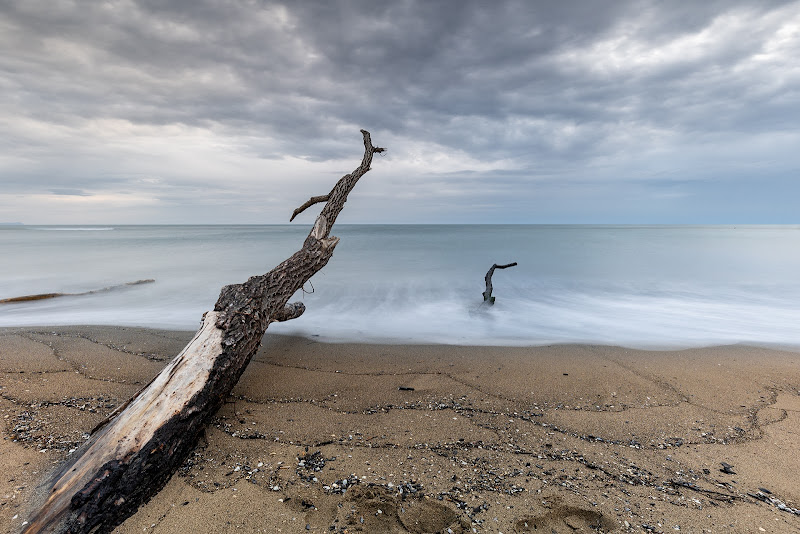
{"points": [[43, 296], [310, 202], [129, 459], [487, 295]]}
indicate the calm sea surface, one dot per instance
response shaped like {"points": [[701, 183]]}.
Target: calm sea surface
{"points": [[638, 286]]}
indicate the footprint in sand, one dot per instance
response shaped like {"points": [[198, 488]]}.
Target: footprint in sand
{"points": [[424, 516], [565, 520], [378, 510]]}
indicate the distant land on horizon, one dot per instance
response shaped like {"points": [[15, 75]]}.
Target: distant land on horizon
{"points": [[11, 224]]}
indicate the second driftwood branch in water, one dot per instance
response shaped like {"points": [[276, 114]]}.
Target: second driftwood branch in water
{"points": [[127, 460], [43, 296], [487, 295]]}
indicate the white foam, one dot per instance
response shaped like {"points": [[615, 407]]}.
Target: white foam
{"points": [[663, 287]]}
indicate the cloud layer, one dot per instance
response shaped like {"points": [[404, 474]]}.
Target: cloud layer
{"points": [[236, 112]]}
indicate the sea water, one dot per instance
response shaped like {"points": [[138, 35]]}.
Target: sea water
{"points": [[636, 286]]}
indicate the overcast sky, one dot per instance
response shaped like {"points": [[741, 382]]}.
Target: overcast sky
{"points": [[211, 111]]}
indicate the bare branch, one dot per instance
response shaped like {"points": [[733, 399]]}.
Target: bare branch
{"points": [[487, 295], [310, 202], [338, 195]]}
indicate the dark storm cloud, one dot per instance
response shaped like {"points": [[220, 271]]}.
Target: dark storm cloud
{"points": [[519, 93]]}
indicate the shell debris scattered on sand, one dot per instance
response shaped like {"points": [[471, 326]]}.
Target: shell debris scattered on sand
{"points": [[376, 438]]}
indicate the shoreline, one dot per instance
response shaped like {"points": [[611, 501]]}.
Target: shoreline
{"points": [[422, 438]]}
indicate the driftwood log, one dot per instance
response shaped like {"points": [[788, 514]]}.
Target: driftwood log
{"points": [[487, 295], [132, 456], [43, 296]]}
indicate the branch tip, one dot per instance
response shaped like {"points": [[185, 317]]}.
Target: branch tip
{"points": [[310, 202]]}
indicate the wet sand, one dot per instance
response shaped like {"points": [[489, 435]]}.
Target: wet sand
{"points": [[403, 438]]}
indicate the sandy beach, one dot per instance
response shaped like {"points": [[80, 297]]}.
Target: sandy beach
{"points": [[404, 438]]}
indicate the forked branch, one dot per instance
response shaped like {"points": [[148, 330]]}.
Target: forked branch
{"points": [[338, 195], [310, 202], [487, 295]]}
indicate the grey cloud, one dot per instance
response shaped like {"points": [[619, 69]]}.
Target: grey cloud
{"points": [[69, 192], [537, 85]]}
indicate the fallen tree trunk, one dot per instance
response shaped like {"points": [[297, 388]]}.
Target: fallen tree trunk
{"points": [[130, 458], [487, 295]]}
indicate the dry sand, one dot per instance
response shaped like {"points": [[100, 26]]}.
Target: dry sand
{"points": [[379, 438]]}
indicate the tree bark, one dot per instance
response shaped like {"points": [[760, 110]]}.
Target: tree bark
{"points": [[130, 458], [487, 295]]}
